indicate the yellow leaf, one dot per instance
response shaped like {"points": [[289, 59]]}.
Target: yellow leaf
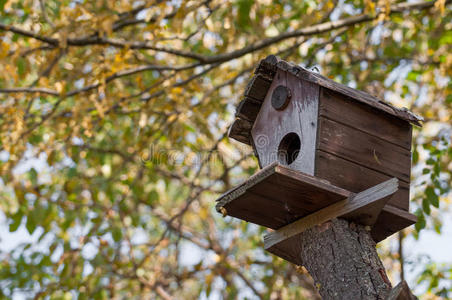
{"points": [[4, 48]]}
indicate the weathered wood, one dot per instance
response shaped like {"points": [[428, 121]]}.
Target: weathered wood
{"points": [[350, 175], [357, 95], [341, 109], [240, 130], [342, 259], [334, 132], [364, 149], [280, 97], [257, 87], [277, 196], [300, 117], [390, 221], [401, 292], [248, 109], [362, 208]]}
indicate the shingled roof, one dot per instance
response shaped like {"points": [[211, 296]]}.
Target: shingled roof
{"points": [[257, 89]]}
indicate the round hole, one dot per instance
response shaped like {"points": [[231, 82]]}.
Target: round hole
{"points": [[289, 148]]}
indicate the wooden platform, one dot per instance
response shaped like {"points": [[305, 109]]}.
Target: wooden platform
{"points": [[363, 208], [277, 196]]}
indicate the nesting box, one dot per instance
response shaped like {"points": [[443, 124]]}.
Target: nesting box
{"points": [[327, 130]]}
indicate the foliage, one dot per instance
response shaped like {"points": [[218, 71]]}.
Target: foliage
{"points": [[113, 128]]}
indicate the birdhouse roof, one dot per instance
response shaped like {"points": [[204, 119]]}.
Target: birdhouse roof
{"points": [[259, 85]]}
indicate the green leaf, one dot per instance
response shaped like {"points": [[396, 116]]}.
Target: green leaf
{"points": [[426, 206], [415, 156], [2, 4], [420, 222], [33, 176], [21, 66], [153, 197], [413, 75], [244, 12], [432, 196], [117, 234], [31, 223], [17, 220]]}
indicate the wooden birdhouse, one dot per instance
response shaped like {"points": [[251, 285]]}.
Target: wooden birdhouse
{"points": [[298, 120]]}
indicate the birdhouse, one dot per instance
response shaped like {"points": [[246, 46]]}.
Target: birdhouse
{"points": [[303, 124]]}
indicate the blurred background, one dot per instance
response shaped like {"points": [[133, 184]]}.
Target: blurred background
{"points": [[113, 140]]}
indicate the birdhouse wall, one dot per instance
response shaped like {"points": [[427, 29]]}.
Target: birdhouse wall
{"points": [[349, 143], [297, 120], [359, 147]]}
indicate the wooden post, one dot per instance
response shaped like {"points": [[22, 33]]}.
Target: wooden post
{"points": [[342, 259]]}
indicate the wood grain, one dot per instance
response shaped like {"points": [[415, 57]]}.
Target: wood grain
{"points": [[300, 117], [240, 130], [257, 87], [401, 292], [357, 95], [277, 196], [390, 221], [364, 149], [248, 109], [362, 208], [355, 177], [344, 110]]}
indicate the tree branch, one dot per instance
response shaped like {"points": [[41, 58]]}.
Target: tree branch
{"points": [[114, 76], [30, 90], [307, 31]]}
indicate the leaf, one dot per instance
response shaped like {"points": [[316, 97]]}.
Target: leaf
{"points": [[413, 75], [33, 176], [17, 220], [153, 197], [31, 223], [21, 66], [426, 206], [244, 13], [432, 196], [415, 156], [420, 224], [117, 234]]}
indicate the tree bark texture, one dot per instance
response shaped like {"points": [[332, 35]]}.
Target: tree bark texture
{"points": [[342, 259]]}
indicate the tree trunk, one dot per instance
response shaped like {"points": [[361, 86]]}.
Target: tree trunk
{"points": [[342, 259]]}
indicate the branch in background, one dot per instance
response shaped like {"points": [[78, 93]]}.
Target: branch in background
{"points": [[317, 29], [116, 75], [30, 90], [307, 31], [44, 13], [162, 293]]}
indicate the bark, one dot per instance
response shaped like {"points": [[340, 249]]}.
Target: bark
{"points": [[342, 259]]}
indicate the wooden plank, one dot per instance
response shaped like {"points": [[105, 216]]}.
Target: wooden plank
{"points": [[362, 208], [248, 109], [350, 175], [277, 196], [390, 221], [299, 117], [257, 87], [365, 118], [240, 130], [401, 292], [364, 149], [357, 95]]}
